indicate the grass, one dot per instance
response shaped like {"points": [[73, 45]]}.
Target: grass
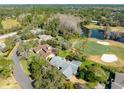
{"points": [[114, 29], [13, 50], [91, 85], [92, 48], [93, 26], [64, 53], [94, 51], [10, 23], [25, 66], [119, 51]]}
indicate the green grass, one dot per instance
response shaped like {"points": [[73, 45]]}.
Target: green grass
{"points": [[119, 51], [92, 48], [96, 49], [91, 85], [25, 67], [10, 23], [64, 53]]}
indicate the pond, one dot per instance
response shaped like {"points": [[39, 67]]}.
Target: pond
{"points": [[116, 37], [99, 34]]}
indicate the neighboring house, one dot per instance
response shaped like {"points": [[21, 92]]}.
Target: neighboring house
{"points": [[45, 50], [118, 82], [94, 21], [45, 37], [2, 46], [37, 31], [22, 16], [68, 68]]}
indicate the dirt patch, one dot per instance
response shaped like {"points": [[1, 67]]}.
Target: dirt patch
{"points": [[95, 58], [75, 80], [9, 83], [114, 43]]}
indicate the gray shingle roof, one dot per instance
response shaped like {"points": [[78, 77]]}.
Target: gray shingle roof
{"points": [[119, 81], [116, 85], [68, 68], [68, 72], [64, 65], [57, 61], [119, 78], [76, 63]]}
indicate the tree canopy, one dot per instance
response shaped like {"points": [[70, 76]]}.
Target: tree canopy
{"points": [[44, 75]]}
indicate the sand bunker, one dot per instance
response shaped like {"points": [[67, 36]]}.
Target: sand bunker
{"points": [[103, 43], [109, 58]]}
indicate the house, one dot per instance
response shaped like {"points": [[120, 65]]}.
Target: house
{"points": [[68, 68], [37, 31], [94, 21], [46, 50], [118, 81], [45, 37], [2, 46]]}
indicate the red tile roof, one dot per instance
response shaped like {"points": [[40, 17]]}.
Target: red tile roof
{"points": [[45, 49]]}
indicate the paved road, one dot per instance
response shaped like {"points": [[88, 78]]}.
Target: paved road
{"points": [[19, 75], [7, 35]]}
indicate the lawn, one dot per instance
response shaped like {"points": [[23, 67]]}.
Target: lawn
{"points": [[25, 66], [119, 51], [10, 23], [91, 85], [94, 51], [93, 26], [92, 48]]}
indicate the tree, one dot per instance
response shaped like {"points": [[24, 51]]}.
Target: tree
{"points": [[44, 75], [25, 47], [26, 34], [106, 31], [93, 73], [78, 51], [10, 42], [69, 85], [5, 67], [52, 43]]}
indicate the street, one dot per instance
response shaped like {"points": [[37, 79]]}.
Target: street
{"points": [[19, 74]]}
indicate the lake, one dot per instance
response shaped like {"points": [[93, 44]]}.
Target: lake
{"points": [[99, 34]]}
